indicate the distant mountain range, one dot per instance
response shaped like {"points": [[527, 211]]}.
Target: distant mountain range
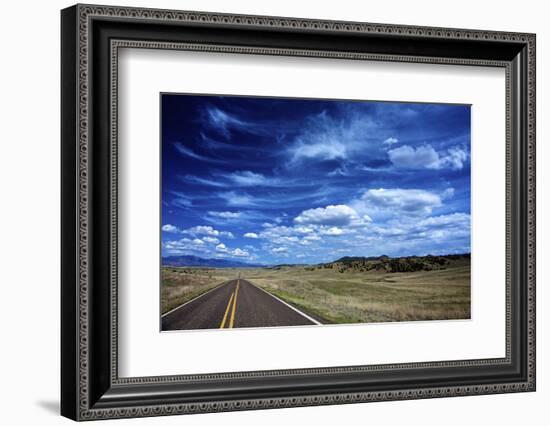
{"points": [[349, 263], [188, 260]]}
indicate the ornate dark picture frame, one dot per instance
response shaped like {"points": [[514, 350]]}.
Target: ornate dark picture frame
{"points": [[90, 385]]}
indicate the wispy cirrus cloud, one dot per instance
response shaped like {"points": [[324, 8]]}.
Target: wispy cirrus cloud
{"points": [[273, 200], [244, 178], [188, 152], [236, 199], [223, 121], [248, 178]]}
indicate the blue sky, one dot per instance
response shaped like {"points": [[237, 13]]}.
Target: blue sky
{"points": [[281, 180]]}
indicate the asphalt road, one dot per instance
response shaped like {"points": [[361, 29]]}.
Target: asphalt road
{"points": [[236, 303]]}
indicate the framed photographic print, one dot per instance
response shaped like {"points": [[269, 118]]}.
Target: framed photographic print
{"points": [[263, 212]]}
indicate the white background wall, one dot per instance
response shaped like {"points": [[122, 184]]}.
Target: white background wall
{"points": [[29, 212]]}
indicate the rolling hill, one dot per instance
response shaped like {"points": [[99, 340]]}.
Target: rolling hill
{"points": [[396, 264]]}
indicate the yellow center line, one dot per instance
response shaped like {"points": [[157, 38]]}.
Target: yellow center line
{"points": [[222, 325], [234, 305]]}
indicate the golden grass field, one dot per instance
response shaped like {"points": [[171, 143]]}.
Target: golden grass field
{"points": [[181, 284], [335, 297]]}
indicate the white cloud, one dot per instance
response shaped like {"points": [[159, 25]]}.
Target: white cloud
{"points": [[248, 178], [170, 228], [240, 253], [396, 200], [223, 121], [201, 229], [211, 240], [323, 137], [312, 237], [337, 215], [250, 235], [390, 141], [332, 231], [448, 193], [224, 215], [233, 198], [414, 158], [185, 245], [279, 250], [304, 229], [181, 200], [222, 248], [453, 219], [426, 157], [327, 150], [207, 230], [455, 158], [183, 150]]}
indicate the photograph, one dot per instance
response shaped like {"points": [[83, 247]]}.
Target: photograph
{"points": [[300, 212], [261, 209]]}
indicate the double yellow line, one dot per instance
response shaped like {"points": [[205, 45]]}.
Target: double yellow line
{"points": [[232, 299]]}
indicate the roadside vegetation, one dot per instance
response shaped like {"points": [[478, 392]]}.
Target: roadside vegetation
{"points": [[349, 290], [181, 284], [356, 297]]}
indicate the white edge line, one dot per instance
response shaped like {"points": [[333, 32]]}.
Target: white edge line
{"points": [[195, 298], [285, 303]]}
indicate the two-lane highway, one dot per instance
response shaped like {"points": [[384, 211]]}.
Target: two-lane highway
{"points": [[233, 304]]}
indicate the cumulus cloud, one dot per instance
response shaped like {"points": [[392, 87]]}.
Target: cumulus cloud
{"points": [[312, 237], [170, 228], [202, 229], [279, 250], [250, 235], [206, 230], [455, 158], [211, 240], [453, 219], [396, 200], [185, 245], [390, 141], [222, 248], [240, 253], [332, 231], [426, 157], [337, 215]]}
